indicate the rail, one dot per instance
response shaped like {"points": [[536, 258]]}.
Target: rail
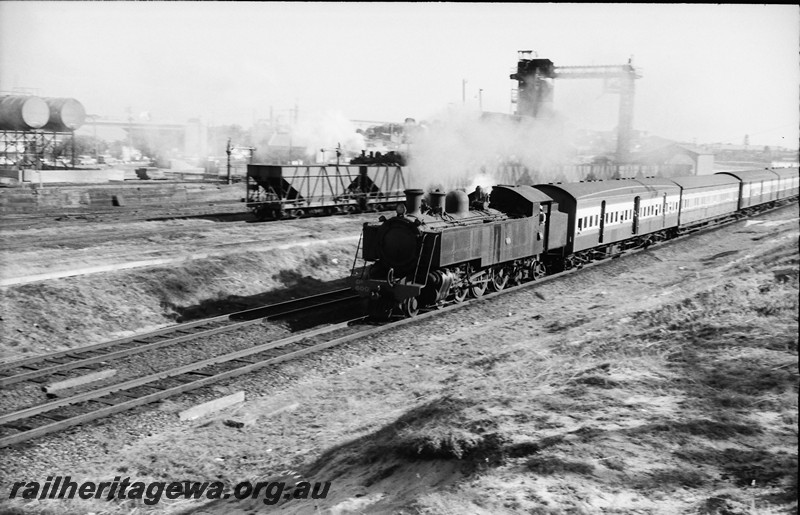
{"points": [[57, 362]]}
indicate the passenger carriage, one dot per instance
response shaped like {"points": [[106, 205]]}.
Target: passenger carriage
{"points": [[705, 198], [757, 187], [788, 182], [608, 216]]}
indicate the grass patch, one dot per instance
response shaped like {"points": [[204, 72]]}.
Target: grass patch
{"points": [[711, 429], [670, 478], [442, 429], [549, 465], [759, 466]]}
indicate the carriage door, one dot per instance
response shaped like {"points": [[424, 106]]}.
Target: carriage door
{"points": [[602, 220], [664, 212], [636, 215]]}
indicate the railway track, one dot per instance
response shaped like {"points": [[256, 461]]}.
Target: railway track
{"points": [[37, 368], [29, 423], [220, 208]]}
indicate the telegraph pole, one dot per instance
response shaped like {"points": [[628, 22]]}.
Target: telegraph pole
{"points": [[228, 150], [463, 91]]}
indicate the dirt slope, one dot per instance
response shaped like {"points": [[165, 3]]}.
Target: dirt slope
{"points": [[208, 268]]}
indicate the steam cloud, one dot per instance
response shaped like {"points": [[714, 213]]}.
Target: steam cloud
{"points": [[464, 149], [326, 131]]}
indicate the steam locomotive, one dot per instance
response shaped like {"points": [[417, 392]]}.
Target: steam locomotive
{"points": [[456, 245]]}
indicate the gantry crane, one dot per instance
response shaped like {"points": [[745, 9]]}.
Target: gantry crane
{"points": [[534, 96]]}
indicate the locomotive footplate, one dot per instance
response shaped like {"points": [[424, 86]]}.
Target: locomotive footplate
{"points": [[381, 288]]}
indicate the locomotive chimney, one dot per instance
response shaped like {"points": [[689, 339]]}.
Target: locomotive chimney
{"points": [[413, 201], [437, 202], [457, 204]]}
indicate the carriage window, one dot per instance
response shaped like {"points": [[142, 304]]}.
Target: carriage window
{"points": [[580, 224]]}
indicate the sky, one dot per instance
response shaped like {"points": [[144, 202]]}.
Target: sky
{"points": [[711, 73]]}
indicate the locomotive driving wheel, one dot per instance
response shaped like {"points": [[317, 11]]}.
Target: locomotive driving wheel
{"points": [[517, 275], [459, 294], [477, 289], [499, 279]]}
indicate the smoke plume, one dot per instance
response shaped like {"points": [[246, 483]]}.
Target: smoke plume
{"points": [[326, 131], [464, 149]]}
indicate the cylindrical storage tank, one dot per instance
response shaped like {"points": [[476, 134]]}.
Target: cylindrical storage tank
{"points": [[22, 113], [456, 203], [66, 114]]}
